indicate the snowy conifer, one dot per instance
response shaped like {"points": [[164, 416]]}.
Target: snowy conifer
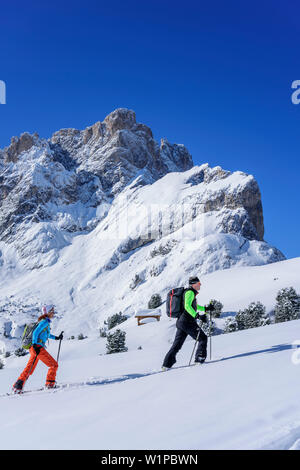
{"points": [[102, 332], [287, 305], [155, 301], [230, 325], [252, 317], [116, 342], [240, 320], [115, 320]]}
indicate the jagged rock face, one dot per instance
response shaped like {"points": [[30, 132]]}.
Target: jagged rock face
{"points": [[19, 145], [52, 190], [249, 198], [117, 148]]}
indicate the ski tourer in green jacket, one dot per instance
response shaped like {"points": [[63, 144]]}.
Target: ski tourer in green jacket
{"points": [[186, 325]]}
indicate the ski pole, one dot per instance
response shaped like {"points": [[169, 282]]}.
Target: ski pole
{"points": [[194, 346], [59, 348], [31, 368]]}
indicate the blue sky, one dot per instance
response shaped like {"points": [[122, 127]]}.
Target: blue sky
{"points": [[215, 76]]}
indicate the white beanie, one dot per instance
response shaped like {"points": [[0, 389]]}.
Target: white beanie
{"points": [[46, 308]]}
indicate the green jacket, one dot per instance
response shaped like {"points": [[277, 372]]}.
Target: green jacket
{"points": [[190, 303]]}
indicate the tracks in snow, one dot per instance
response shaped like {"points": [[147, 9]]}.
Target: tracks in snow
{"points": [[96, 381]]}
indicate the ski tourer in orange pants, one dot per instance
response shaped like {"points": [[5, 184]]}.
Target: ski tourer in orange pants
{"points": [[38, 351], [46, 358]]}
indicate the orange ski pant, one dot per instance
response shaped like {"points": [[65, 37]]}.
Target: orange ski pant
{"points": [[46, 358]]}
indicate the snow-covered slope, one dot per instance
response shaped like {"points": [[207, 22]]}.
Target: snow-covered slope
{"points": [[247, 397], [96, 299]]}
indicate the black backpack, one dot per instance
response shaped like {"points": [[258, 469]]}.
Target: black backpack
{"points": [[174, 302]]}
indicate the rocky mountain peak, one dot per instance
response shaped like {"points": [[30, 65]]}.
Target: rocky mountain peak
{"points": [[118, 149], [19, 145], [119, 119]]}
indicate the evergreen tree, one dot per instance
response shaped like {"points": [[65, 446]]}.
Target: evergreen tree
{"points": [[231, 325], [252, 317], [287, 305], [155, 301], [115, 320], [240, 320], [102, 332], [116, 342], [1, 364]]}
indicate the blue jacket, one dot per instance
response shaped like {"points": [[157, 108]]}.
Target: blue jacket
{"points": [[42, 333]]}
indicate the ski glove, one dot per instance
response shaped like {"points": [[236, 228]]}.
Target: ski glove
{"points": [[203, 318], [37, 348], [61, 336], [209, 308]]}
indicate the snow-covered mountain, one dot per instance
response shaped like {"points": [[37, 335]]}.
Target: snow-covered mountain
{"points": [[97, 220], [51, 190]]}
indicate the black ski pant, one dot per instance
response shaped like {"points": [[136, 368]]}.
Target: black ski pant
{"points": [[186, 328]]}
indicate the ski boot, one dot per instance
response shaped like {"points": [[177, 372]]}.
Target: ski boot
{"points": [[200, 360], [51, 384], [164, 369], [18, 386]]}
